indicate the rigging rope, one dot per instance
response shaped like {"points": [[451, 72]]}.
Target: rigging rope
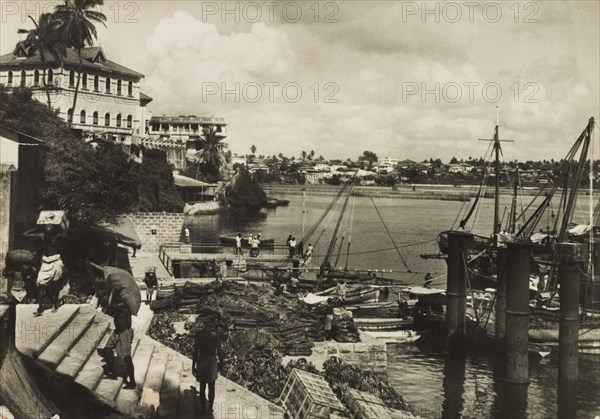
{"points": [[390, 235]]}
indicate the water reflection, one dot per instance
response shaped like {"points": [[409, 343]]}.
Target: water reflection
{"points": [[454, 386], [438, 387]]}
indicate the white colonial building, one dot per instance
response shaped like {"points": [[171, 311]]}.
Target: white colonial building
{"points": [[183, 130], [109, 103]]}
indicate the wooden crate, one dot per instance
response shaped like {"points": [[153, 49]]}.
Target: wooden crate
{"points": [[308, 396], [365, 405]]}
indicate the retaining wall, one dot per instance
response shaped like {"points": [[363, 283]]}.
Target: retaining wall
{"points": [[155, 228]]}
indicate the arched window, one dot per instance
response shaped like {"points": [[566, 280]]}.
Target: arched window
{"points": [[119, 87], [96, 83], [10, 78], [23, 78], [129, 121], [36, 78], [130, 88], [70, 114], [82, 117], [119, 120], [50, 76], [107, 119], [95, 118], [72, 78], [84, 81], [108, 85]]}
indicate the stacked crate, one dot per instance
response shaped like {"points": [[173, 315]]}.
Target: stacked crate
{"points": [[308, 396], [365, 405]]}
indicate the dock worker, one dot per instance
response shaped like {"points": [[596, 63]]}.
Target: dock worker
{"points": [[308, 254], [341, 289], [207, 348], [428, 280], [238, 244], [292, 246], [257, 243]]}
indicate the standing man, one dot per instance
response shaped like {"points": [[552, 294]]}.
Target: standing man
{"points": [[254, 246], [49, 281], [257, 241], [238, 244], [292, 245], [341, 290], [207, 348], [308, 254]]}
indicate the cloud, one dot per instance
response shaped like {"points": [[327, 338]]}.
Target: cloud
{"points": [[183, 53]]}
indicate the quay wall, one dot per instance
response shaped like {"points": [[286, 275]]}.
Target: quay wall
{"points": [[370, 191], [155, 228]]}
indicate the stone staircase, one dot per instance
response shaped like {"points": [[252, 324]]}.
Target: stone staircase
{"points": [[66, 342]]}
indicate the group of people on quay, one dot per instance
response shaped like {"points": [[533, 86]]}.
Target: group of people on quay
{"points": [[253, 242]]}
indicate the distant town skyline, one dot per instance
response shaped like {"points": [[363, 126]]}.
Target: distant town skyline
{"points": [[408, 80]]}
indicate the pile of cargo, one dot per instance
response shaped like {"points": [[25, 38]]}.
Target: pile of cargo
{"points": [[295, 325]]}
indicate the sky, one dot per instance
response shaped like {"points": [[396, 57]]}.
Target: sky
{"points": [[408, 80]]}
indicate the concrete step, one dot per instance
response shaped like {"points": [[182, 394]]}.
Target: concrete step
{"points": [[34, 334], [110, 389], [60, 346], [92, 372], [188, 391], [77, 357], [154, 379], [169, 393], [141, 363]]}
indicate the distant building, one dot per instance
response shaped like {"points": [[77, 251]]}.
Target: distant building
{"points": [[184, 130], [109, 102], [387, 161]]}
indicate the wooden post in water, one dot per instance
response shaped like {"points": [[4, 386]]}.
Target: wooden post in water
{"points": [[500, 312], [456, 290], [571, 257], [517, 313]]}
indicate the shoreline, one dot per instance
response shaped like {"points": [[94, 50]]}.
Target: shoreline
{"points": [[421, 191]]}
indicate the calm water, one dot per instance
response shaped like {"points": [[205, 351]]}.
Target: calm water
{"points": [[436, 386]]}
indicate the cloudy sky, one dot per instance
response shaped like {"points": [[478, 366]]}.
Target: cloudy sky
{"points": [[403, 79]]}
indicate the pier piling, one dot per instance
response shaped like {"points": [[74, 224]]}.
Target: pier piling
{"points": [[456, 291], [517, 313], [570, 257], [500, 311]]}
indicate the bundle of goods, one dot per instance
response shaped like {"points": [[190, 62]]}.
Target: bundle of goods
{"points": [[342, 377]]}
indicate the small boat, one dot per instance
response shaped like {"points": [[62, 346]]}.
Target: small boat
{"points": [[384, 324], [355, 295], [274, 203], [230, 241]]}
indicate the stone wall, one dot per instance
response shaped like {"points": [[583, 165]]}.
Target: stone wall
{"points": [[155, 228]]}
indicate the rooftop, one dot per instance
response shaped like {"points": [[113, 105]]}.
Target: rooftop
{"points": [[187, 182], [93, 59]]}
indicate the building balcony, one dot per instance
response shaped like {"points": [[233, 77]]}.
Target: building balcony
{"points": [[102, 129]]}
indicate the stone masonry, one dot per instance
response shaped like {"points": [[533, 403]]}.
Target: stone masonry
{"points": [[155, 228]]}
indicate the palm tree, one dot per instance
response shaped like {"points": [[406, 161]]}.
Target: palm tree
{"points": [[211, 155], [253, 149], [45, 38], [79, 30], [303, 155], [311, 155]]}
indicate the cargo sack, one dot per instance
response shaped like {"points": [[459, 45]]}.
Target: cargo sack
{"points": [[126, 287]]}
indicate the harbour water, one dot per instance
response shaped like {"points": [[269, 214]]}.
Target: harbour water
{"points": [[435, 385]]}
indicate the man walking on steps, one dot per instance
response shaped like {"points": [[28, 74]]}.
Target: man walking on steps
{"points": [[207, 348]]}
